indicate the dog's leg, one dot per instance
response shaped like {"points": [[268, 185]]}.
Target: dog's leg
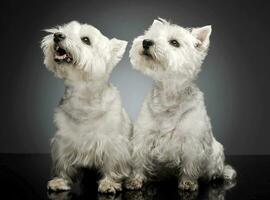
{"points": [[188, 183], [114, 171], [137, 177], [135, 182], [111, 181], [109, 185], [62, 171], [63, 177], [216, 167], [58, 184], [191, 167]]}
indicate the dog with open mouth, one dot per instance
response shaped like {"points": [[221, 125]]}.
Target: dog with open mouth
{"points": [[173, 131], [93, 129], [60, 55]]}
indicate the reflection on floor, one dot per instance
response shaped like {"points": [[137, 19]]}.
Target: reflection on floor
{"points": [[25, 177], [152, 191]]}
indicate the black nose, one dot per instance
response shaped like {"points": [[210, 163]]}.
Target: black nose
{"points": [[147, 43], [58, 37]]}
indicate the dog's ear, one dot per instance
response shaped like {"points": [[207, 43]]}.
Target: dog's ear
{"points": [[118, 48], [159, 21], [202, 34], [156, 22]]}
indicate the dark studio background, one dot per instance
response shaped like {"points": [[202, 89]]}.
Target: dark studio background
{"points": [[234, 77]]}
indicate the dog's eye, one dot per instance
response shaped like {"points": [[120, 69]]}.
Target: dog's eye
{"points": [[86, 40], [174, 43]]}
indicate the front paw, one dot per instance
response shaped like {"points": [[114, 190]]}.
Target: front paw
{"points": [[58, 184], [186, 184], [109, 186], [134, 183]]}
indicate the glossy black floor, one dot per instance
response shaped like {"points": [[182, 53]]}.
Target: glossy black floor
{"points": [[25, 177]]}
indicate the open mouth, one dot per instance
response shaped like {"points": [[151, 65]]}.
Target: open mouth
{"points": [[61, 55], [147, 54]]}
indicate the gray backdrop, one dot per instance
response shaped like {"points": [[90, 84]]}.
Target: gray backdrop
{"points": [[234, 78]]}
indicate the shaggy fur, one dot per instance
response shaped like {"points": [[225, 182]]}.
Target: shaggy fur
{"points": [[93, 129], [173, 129]]}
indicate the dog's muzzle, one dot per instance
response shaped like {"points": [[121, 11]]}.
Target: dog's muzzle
{"points": [[61, 55], [146, 46], [58, 37]]}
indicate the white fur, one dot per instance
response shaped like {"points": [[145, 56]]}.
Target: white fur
{"points": [[173, 129], [93, 129]]}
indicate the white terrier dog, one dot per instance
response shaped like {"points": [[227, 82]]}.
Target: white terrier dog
{"points": [[93, 129], [173, 129]]}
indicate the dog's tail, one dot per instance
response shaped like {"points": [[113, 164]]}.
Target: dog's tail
{"points": [[229, 173]]}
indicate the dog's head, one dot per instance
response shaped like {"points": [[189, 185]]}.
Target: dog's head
{"points": [[167, 49], [78, 51]]}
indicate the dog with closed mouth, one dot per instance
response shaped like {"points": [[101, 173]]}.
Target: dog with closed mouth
{"points": [[173, 130]]}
